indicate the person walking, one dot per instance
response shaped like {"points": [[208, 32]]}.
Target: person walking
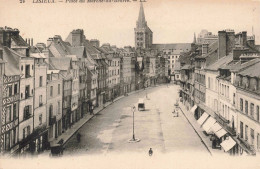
{"points": [[150, 152]]}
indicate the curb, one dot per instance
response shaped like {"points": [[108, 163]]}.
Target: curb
{"points": [[202, 140]]}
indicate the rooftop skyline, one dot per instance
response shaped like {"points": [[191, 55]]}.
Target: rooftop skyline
{"points": [[171, 21]]}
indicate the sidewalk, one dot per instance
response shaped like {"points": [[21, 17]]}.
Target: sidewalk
{"points": [[204, 139], [75, 127]]}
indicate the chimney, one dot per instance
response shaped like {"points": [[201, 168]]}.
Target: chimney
{"points": [[230, 41], [237, 52], [26, 40], [32, 42], [222, 44], [95, 42], [244, 38], [205, 48], [49, 41], [29, 43], [251, 41]]}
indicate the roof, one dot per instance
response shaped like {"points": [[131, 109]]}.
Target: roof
{"points": [[176, 46], [212, 55], [252, 71], [94, 52], [141, 18], [78, 51], [53, 71], [238, 65], [60, 63], [73, 57], [222, 61], [38, 55], [19, 41], [186, 67], [12, 62]]}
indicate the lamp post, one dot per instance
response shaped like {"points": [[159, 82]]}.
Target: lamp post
{"points": [[133, 109], [133, 139]]}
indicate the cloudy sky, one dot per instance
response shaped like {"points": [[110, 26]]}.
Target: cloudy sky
{"points": [[170, 20]]}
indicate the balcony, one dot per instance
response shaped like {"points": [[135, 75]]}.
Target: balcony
{"points": [[225, 124], [52, 120]]}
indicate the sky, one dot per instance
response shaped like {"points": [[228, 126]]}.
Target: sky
{"points": [[172, 21]]}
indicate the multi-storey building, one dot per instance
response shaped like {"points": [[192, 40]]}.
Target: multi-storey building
{"points": [[206, 37], [125, 74], [2, 64], [113, 61], [40, 101], [129, 51], [10, 82], [64, 66], [26, 107], [54, 103], [246, 81]]}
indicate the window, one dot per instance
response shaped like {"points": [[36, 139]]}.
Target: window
{"points": [[27, 71], [252, 133], [26, 131], [10, 89], [14, 136], [241, 104], [27, 112], [59, 107], [50, 111], [15, 88], [252, 108], [246, 132], [257, 113], [227, 91], [40, 119], [8, 114], [209, 82], [7, 141], [51, 91], [14, 111], [241, 129], [40, 101], [27, 91], [40, 82], [58, 88], [234, 98], [258, 141], [246, 107]]}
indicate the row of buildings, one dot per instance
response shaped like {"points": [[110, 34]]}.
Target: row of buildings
{"points": [[219, 82], [46, 88]]}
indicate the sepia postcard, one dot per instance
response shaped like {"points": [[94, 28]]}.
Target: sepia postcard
{"points": [[129, 84]]}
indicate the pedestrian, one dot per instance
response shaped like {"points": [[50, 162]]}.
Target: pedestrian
{"points": [[78, 137], [150, 152], [91, 109]]}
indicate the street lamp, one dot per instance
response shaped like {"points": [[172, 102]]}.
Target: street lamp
{"points": [[133, 140]]}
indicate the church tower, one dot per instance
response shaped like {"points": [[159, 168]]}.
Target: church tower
{"points": [[143, 34]]}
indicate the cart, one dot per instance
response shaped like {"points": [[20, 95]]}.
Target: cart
{"points": [[141, 105]]}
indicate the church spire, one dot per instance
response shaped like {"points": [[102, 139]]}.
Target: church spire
{"points": [[194, 40], [141, 23]]}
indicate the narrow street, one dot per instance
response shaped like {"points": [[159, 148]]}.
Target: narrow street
{"points": [[110, 130]]}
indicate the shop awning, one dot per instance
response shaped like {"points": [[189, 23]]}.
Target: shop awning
{"points": [[221, 133], [208, 124], [228, 144], [192, 110], [216, 127], [203, 118]]}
